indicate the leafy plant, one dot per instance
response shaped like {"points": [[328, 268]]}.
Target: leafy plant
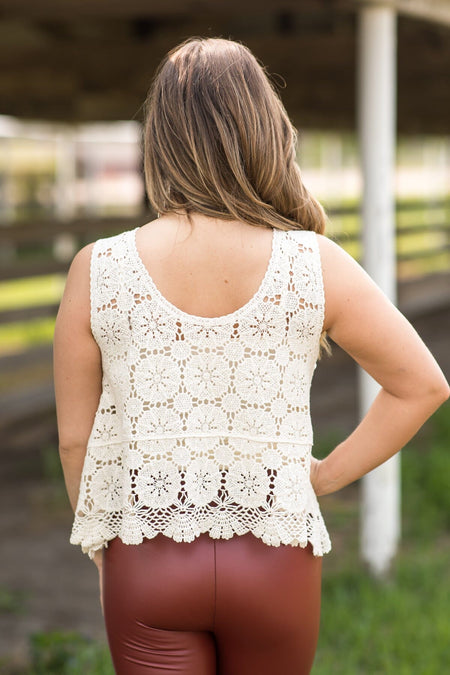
{"points": [[68, 653], [425, 476], [11, 602]]}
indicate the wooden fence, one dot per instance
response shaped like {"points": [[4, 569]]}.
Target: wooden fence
{"points": [[27, 250]]}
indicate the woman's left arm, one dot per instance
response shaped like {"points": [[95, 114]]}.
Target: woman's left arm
{"points": [[77, 372]]}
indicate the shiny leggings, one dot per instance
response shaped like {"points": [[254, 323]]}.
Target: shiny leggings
{"points": [[211, 606]]}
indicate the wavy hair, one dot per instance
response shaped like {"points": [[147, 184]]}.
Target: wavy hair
{"points": [[218, 140]]}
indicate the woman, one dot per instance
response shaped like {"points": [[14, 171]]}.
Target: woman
{"points": [[184, 352]]}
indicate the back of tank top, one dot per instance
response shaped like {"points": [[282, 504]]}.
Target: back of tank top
{"points": [[203, 424]]}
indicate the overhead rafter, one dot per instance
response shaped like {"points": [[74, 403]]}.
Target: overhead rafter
{"points": [[57, 9], [96, 63], [431, 10], [437, 11]]}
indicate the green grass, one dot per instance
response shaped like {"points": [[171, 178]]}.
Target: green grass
{"points": [[31, 292], [426, 482], [12, 602], [21, 293], [17, 337], [400, 627], [66, 653]]}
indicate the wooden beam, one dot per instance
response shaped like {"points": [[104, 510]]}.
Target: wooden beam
{"points": [[437, 11], [98, 69], [68, 9], [28, 313]]}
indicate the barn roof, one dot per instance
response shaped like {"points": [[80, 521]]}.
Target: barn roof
{"points": [[87, 60]]}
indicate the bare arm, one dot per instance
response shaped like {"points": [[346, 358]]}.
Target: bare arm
{"points": [[77, 374], [361, 320]]}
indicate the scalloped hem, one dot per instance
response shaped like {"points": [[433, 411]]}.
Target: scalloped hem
{"points": [[319, 539]]}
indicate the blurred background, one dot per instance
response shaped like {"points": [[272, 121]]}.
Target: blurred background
{"points": [[73, 78]]}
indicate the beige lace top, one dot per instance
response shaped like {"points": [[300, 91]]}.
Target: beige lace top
{"points": [[203, 423]]}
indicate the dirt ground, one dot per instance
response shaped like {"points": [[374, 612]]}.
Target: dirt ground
{"points": [[46, 584], [52, 585]]}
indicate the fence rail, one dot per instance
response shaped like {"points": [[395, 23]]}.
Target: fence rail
{"points": [[28, 313], [27, 248], [30, 249], [43, 231]]}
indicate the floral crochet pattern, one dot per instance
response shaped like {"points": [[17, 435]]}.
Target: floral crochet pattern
{"points": [[203, 424]]}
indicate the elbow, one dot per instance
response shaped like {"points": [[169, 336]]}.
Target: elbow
{"points": [[440, 391], [71, 448], [429, 396], [445, 393]]}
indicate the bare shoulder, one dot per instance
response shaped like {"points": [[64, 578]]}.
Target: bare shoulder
{"points": [[334, 258], [79, 271], [76, 296], [346, 284], [82, 259]]}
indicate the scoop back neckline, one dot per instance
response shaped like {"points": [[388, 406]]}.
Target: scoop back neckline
{"points": [[186, 316]]}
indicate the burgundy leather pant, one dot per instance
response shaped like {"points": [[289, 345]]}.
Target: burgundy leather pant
{"points": [[211, 607]]}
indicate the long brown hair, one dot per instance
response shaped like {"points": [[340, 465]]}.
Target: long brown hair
{"points": [[218, 140]]}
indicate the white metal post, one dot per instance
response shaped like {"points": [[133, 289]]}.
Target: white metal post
{"points": [[380, 518], [65, 244]]}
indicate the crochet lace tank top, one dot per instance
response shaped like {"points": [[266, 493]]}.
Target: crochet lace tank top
{"points": [[203, 424]]}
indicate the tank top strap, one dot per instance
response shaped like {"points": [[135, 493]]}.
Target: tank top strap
{"points": [[305, 270], [106, 273]]}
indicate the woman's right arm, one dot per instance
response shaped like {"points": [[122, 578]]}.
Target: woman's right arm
{"points": [[363, 321]]}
